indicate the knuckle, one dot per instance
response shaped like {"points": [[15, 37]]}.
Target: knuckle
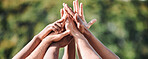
{"points": [[37, 37]]}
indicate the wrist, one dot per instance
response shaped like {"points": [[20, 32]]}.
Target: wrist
{"points": [[55, 45], [36, 38]]}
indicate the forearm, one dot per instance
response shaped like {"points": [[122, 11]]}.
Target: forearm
{"points": [[39, 52], [52, 52], [86, 51], [104, 52], [69, 50], [28, 48]]}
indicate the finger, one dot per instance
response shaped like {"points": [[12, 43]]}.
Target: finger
{"points": [[77, 6], [70, 8], [56, 29], [66, 7], [81, 9], [45, 31], [65, 13], [62, 12], [59, 25], [82, 14], [63, 4], [76, 18], [60, 20], [64, 34], [66, 24], [91, 23], [74, 6]]}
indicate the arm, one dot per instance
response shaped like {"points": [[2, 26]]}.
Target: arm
{"points": [[94, 42], [28, 48], [41, 49], [37, 39], [104, 52], [69, 50], [84, 48], [53, 50], [33, 43]]}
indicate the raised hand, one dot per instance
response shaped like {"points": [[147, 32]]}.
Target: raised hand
{"points": [[39, 52], [80, 21]]}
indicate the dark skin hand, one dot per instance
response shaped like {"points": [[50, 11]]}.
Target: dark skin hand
{"points": [[81, 42], [94, 42], [69, 51]]}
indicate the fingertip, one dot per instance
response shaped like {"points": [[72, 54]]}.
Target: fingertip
{"points": [[77, 0], [63, 4], [94, 20], [66, 5], [73, 2]]}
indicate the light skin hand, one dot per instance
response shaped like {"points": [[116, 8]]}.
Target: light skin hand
{"points": [[76, 10], [26, 51], [81, 23], [53, 50], [94, 42], [69, 50], [36, 41], [52, 37], [41, 49]]}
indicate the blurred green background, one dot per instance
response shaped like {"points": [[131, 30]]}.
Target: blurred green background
{"points": [[122, 26]]}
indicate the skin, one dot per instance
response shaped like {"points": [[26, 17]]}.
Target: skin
{"points": [[53, 50], [103, 51], [81, 41], [39, 52], [30, 47], [33, 43], [69, 50]]}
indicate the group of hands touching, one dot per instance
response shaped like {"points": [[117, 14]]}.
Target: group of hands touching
{"points": [[69, 31]]}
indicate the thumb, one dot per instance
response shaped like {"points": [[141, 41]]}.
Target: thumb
{"points": [[64, 34], [91, 23]]}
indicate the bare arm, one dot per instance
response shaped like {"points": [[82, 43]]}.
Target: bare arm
{"points": [[53, 50], [27, 49], [69, 50], [85, 49], [37, 39], [94, 42], [33, 43], [104, 52], [83, 46], [41, 49]]}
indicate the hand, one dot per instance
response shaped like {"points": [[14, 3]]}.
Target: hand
{"points": [[63, 42], [57, 27], [56, 37], [80, 21], [70, 25]]}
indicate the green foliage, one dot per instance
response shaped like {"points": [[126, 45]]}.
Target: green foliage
{"points": [[122, 26]]}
